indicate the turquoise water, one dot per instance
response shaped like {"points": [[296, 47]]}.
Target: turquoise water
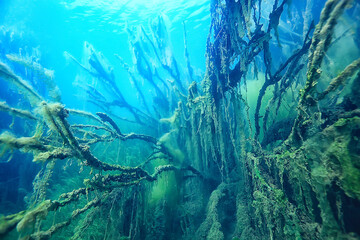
{"points": [[179, 119], [54, 27]]}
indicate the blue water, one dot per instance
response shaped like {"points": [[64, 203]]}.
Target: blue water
{"points": [[179, 119], [54, 27]]}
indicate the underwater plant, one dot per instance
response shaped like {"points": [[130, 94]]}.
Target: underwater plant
{"points": [[266, 147]]}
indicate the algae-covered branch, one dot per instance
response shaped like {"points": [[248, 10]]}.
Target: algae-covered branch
{"points": [[263, 144]]}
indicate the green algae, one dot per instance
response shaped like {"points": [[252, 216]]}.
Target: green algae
{"points": [[299, 190]]}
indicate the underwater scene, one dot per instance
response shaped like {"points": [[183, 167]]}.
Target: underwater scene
{"points": [[179, 119]]}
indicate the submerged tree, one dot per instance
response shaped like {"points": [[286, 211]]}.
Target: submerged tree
{"points": [[232, 166]]}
